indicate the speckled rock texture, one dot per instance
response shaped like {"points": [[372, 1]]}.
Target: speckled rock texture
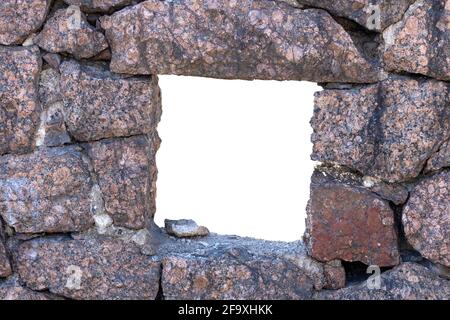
{"points": [[79, 109], [349, 223], [46, 191], [11, 289], [126, 174], [420, 42], [441, 159], [5, 266], [373, 15], [92, 268], [100, 104], [227, 267], [20, 18], [19, 99], [409, 281], [100, 6], [68, 31], [52, 130], [388, 130], [426, 218], [245, 39]]}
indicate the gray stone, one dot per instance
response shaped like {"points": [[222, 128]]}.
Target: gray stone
{"points": [[409, 281], [185, 228]]}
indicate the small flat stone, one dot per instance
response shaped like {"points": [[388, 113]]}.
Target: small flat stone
{"points": [[185, 228]]}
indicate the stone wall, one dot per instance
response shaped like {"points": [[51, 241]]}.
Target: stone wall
{"points": [[79, 107]]}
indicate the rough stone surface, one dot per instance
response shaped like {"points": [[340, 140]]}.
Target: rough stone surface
{"points": [[100, 104], [420, 42], [373, 15], [5, 266], [68, 31], [233, 39], [52, 130], [19, 19], [387, 131], [397, 193], [11, 289], [440, 159], [19, 101], [349, 223], [426, 218], [409, 281], [102, 6], [126, 174], [185, 228], [224, 267], [92, 268], [46, 191], [334, 274]]}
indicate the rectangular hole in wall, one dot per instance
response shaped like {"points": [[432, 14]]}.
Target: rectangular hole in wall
{"points": [[235, 155]]}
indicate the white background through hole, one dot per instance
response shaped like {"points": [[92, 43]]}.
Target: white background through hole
{"points": [[235, 155]]}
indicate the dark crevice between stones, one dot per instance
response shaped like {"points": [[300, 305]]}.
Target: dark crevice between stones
{"points": [[160, 294], [357, 272]]}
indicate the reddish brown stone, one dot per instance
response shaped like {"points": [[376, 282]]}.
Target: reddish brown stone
{"points": [[19, 101], [387, 131], [99, 6], [408, 281], [100, 104], [420, 42], [67, 31], [374, 15], [46, 191], [126, 175], [94, 268], [234, 39], [349, 223], [426, 218], [19, 19]]}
